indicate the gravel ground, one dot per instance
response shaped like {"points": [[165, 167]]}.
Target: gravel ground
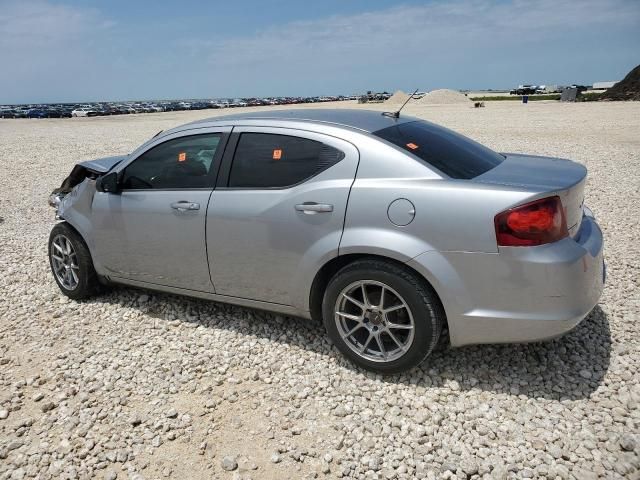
{"points": [[136, 384]]}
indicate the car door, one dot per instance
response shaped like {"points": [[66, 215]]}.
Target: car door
{"points": [[153, 229], [278, 210]]}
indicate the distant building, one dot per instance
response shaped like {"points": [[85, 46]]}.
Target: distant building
{"points": [[603, 85]]}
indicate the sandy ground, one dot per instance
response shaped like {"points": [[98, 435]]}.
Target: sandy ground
{"points": [[144, 385]]}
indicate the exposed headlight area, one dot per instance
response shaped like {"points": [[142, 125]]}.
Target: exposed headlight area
{"points": [[55, 199]]}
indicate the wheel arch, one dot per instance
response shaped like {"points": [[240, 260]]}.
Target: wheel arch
{"points": [[101, 278], [72, 226], [77, 232], [330, 268]]}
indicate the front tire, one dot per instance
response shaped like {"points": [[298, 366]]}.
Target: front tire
{"points": [[383, 317], [71, 263]]}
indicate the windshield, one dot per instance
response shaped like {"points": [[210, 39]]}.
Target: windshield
{"points": [[453, 154]]}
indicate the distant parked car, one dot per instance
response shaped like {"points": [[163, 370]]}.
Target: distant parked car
{"points": [[37, 113], [388, 229], [524, 90], [84, 112], [8, 113]]}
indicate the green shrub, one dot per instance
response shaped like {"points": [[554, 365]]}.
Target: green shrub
{"points": [[589, 97]]}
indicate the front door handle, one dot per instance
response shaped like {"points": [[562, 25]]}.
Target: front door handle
{"points": [[183, 206], [311, 208]]}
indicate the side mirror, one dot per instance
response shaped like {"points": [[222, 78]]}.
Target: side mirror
{"points": [[108, 183]]}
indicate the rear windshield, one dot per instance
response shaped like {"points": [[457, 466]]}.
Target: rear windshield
{"points": [[451, 153]]}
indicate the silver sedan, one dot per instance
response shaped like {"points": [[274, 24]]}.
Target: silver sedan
{"points": [[390, 230]]}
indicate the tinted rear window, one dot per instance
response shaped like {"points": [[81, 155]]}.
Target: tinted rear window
{"points": [[451, 153]]}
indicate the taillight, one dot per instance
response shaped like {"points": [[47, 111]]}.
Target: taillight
{"points": [[535, 223]]}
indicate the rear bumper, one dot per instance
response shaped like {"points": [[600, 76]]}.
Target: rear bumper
{"points": [[519, 294]]}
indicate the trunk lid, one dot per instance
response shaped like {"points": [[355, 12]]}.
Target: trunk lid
{"points": [[555, 176]]}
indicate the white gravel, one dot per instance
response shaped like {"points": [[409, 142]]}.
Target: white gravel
{"points": [[136, 385]]}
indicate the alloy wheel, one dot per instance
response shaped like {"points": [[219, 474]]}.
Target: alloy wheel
{"points": [[65, 263], [374, 321]]}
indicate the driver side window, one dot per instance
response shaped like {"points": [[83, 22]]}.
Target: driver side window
{"points": [[185, 162]]}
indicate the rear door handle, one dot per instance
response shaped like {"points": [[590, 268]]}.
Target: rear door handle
{"points": [[183, 206], [311, 208]]}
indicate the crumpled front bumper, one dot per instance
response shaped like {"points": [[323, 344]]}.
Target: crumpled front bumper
{"points": [[55, 199]]}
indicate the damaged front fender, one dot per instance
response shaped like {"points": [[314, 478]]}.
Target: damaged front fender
{"points": [[79, 199], [90, 169], [75, 208]]}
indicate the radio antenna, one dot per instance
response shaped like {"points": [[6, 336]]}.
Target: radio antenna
{"points": [[396, 114]]}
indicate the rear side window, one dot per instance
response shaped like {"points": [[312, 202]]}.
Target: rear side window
{"points": [[264, 160], [451, 153]]}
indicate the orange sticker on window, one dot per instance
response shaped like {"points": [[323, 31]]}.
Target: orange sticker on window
{"points": [[277, 154], [182, 156], [412, 146]]}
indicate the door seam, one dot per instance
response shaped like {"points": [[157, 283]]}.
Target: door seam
{"points": [[346, 209], [206, 211]]}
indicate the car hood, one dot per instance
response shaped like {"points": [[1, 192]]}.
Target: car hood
{"points": [[104, 164]]}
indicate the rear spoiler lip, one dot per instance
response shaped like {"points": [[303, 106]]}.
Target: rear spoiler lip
{"points": [[548, 186]]}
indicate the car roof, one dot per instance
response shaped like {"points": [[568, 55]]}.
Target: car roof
{"points": [[365, 120]]}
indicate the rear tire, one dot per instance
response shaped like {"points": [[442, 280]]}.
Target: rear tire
{"points": [[383, 317], [71, 263]]}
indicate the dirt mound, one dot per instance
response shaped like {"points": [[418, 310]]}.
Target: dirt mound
{"points": [[444, 97], [626, 89], [397, 98]]}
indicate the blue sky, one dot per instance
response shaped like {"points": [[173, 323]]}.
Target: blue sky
{"points": [[73, 50]]}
